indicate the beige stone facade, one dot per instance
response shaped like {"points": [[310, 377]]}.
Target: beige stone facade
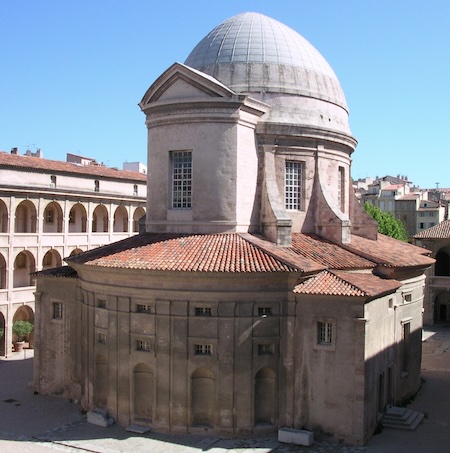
{"points": [[50, 210], [260, 295]]}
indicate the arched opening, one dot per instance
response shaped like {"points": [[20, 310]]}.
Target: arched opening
{"points": [[265, 398], [202, 397], [138, 214], [24, 266], [2, 272], [121, 220], [25, 218], [77, 219], [442, 307], [2, 335], [51, 259], [100, 220], [3, 217], [101, 382], [143, 393], [24, 313], [442, 265], [75, 252], [53, 218]]}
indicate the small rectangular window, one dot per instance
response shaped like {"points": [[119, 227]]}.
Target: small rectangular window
{"points": [[265, 349], [101, 337], [135, 190], [181, 162], [143, 308], [264, 311], [57, 310], [391, 303], [202, 311], [143, 345], [101, 303], [407, 298], [96, 185], [324, 333], [203, 349], [52, 181]]}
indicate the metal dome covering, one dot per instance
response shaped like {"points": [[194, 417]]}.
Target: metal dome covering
{"points": [[251, 52]]}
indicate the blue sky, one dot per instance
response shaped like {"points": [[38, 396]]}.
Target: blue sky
{"points": [[73, 72]]}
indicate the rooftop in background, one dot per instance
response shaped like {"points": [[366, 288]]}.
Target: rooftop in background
{"points": [[440, 231], [85, 167]]}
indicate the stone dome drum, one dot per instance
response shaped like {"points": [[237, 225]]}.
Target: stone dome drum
{"points": [[254, 54]]}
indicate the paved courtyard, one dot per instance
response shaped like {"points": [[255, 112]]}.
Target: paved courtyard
{"points": [[41, 424]]}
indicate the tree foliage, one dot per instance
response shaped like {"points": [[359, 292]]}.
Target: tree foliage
{"points": [[22, 329], [387, 223]]}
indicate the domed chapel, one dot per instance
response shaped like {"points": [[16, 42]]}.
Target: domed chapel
{"points": [[260, 294]]}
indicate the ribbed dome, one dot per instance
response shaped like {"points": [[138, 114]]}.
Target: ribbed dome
{"points": [[251, 52]]}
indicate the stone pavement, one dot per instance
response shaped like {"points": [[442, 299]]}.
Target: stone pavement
{"points": [[41, 424]]}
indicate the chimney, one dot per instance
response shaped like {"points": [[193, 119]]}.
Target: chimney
{"points": [[14, 151]]}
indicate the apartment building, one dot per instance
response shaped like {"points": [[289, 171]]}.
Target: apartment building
{"points": [[417, 208]]}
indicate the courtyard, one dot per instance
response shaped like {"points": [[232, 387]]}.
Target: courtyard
{"points": [[39, 424]]}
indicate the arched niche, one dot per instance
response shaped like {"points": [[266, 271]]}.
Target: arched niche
{"points": [[265, 397], [203, 405], [143, 392]]}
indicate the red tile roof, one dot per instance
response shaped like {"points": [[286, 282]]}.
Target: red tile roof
{"points": [[28, 163], [409, 196], [389, 252], [440, 231], [348, 284], [243, 252], [393, 187], [230, 252], [327, 253]]}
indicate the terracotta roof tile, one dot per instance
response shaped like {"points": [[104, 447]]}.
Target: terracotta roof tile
{"points": [[389, 252], [348, 284], [327, 253], [230, 252], [439, 231], [244, 252], [28, 163]]}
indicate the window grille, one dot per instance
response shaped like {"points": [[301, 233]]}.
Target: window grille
{"points": [[57, 310], [294, 185], [203, 349], [202, 311], [143, 345], [324, 333], [181, 179]]}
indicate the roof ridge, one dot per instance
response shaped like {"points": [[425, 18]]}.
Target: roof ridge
{"points": [[301, 263]]}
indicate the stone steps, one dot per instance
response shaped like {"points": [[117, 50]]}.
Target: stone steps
{"points": [[401, 418]]}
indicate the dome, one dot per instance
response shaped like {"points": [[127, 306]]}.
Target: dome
{"points": [[252, 53]]}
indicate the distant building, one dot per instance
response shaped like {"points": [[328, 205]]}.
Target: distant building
{"points": [[135, 166], [260, 294], [50, 210], [417, 208]]}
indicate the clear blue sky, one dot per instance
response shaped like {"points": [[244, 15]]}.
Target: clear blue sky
{"points": [[73, 72]]}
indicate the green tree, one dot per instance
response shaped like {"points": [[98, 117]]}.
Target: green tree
{"points": [[387, 223]]}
